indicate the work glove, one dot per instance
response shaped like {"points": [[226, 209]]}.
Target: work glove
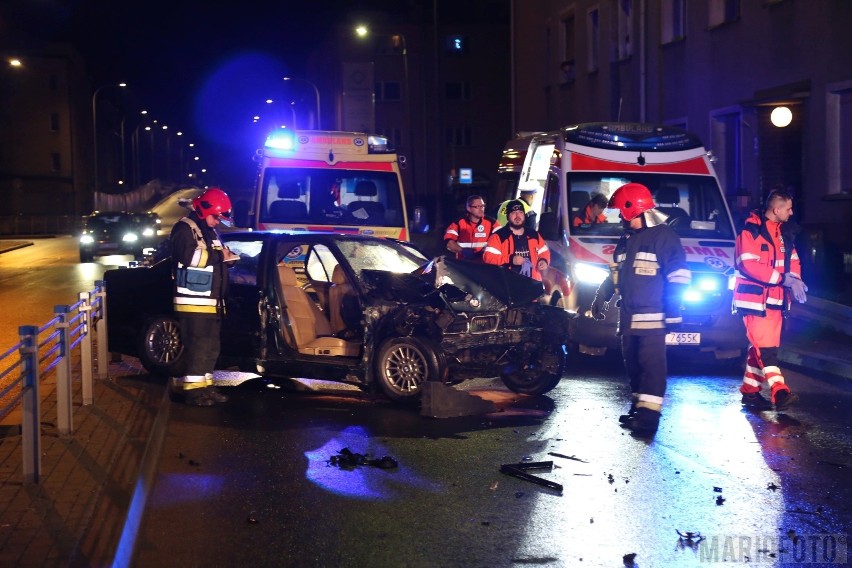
{"points": [[796, 286], [526, 268]]}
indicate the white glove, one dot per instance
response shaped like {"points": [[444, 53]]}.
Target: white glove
{"points": [[796, 286]]}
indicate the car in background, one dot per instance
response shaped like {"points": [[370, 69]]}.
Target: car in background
{"points": [[363, 310], [118, 232]]}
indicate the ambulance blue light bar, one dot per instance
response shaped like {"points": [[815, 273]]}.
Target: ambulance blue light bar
{"points": [[631, 136], [281, 139]]}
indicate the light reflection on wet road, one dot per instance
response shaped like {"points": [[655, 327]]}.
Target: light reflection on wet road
{"points": [[259, 478]]}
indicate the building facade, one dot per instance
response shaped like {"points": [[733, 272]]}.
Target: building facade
{"points": [[718, 68]]}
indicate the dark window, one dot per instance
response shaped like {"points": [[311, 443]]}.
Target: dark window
{"points": [[54, 122], [388, 91], [55, 162], [458, 91], [459, 136]]}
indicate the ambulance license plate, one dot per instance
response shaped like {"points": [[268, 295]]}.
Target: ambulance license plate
{"points": [[683, 339]]}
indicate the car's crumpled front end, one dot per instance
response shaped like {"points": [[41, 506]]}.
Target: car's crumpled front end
{"points": [[487, 320]]}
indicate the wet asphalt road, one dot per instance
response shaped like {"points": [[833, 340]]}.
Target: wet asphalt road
{"points": [[250, 483]]}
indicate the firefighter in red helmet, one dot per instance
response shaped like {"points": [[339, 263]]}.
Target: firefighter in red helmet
{"points": [[200, 263], [649, 270]]}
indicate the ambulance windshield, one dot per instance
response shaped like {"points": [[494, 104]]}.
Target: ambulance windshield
{"points": [[330, 197], [693, 204]]}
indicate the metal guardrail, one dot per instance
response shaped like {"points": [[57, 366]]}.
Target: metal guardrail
{"points": [[54, 347]]}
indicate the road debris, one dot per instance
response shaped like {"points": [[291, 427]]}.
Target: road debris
{"points": [[347, 459], [520, 470], [558, 455]]}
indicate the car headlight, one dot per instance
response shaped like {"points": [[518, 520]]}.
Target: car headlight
{"points": [[130, 238], [86, 239], [148, 232], [590, 273]]}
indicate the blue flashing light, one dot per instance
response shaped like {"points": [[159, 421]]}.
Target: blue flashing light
{"points": [[708, 284], [693, 296], [281, 139], [631, 136]]}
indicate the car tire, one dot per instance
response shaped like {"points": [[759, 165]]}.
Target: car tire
{"points": [[403, 364], [534, 379], [86, 256], [160, 347]]}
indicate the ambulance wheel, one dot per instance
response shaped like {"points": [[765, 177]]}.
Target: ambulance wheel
{"points": [[160, 348]]}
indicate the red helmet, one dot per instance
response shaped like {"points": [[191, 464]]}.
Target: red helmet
{"points": [[214, 201], [631, 199]]}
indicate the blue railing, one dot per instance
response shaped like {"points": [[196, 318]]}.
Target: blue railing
{"points": [[55, 347]]}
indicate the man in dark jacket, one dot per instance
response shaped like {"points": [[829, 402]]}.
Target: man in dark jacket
{"points": [[201, 277], [651, 274]]}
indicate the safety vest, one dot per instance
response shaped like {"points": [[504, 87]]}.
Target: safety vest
{"points": [[199, 276], [764, 253], [471, 237], [501, 248]]}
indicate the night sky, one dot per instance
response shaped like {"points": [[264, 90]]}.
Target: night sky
{"points": [[199, 66]]}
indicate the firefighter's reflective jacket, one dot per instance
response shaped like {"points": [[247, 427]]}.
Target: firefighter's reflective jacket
{"points": [[764, 252], [652, 275], [200, 274]]}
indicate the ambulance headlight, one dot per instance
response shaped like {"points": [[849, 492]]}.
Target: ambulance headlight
{"points": [[148, 232], [590, 273], [129, 238], [693, 296]]}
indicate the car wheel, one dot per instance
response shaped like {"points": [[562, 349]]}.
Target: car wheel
{"points": [[160, 348], [403, 364], [535, 378], [86, 256]]}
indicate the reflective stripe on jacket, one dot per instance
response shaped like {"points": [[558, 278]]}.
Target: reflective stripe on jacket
{"points": [[196, 249], [652, 277], [470, 236], [501, 248], [764, 253]]}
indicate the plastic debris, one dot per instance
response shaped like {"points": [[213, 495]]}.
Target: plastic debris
{"points": [[558, 455], [347, 459], [520, 470]]}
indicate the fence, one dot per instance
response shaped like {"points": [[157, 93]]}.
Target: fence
{"points": [[48, 349]]}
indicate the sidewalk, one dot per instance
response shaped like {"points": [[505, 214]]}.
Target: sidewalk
{"points": [[75, 515]]}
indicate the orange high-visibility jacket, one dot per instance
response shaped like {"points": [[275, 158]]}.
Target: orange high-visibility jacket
{"points": [[471, 237], [765, 252], [501, 248]]}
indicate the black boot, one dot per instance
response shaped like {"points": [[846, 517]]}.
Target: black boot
{"points": [[214, 394], [197, 397], [644, 422], [627, 417]]}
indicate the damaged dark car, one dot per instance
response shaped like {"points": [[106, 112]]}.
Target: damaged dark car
{"points": [[367, 311]]}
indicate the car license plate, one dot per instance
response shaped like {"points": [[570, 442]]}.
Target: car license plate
{"points": [[683, 339]]}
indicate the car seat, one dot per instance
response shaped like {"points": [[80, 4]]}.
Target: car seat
{"points": [[340, 301]]}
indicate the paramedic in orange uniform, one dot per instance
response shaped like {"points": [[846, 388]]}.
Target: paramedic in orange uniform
{"points": [[468, 235], [768, 275], [517, 247]]}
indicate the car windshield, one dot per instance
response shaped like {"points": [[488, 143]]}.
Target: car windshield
{"points": [[693, 203], [106, 221], [379, 255]]}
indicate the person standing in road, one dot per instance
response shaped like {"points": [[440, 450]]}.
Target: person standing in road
{"points": [[200, 263], [468, 235], [592, 214], [527, 197], [651, 274], [768, 274], [517, 247]]}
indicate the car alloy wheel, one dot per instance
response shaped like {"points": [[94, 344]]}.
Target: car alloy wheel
{"points": [[403, 364]]}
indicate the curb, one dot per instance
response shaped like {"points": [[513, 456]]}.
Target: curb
{"points": [[821, 363], [147, 472], [7, 246]]}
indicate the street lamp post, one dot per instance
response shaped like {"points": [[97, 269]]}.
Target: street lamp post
{"points": [[95, 125], [316, 92]]}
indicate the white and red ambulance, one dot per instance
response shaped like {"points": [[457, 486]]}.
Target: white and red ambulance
{"points": [[567, 167]]}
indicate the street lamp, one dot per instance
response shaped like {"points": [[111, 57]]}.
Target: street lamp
{"points": [[95, 124], [316, 92]]}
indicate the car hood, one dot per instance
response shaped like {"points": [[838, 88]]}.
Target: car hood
{"points": [[466, 286]]}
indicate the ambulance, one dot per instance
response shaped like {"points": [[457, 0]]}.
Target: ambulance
{"points": [[568, 167], [342, 182]]}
